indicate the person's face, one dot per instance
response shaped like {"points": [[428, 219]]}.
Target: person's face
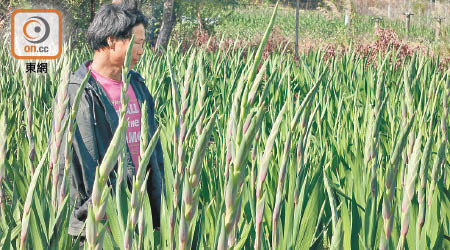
{"points": [[119, 49]]}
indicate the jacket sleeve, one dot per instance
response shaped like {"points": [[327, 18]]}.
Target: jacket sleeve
{"points": [[84, 154]]}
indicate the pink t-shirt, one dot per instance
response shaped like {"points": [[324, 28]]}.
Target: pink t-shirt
{"points": [[113, 89]]}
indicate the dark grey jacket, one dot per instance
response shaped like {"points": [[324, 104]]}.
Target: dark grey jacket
{"points": [[96, 122]]}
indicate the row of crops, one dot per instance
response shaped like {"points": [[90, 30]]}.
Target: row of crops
{"points": [[265, 153], [246, 23]]}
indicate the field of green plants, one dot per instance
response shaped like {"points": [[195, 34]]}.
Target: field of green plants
{"points": [[248, 23], [260, 152]]}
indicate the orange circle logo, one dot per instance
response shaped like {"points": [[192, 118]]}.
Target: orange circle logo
{"points": [[39, 29]]}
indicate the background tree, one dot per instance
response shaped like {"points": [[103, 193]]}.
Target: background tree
{"points": [[92, 10], [168, 22], [296, 27]]}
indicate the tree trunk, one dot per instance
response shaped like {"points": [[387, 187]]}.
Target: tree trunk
{"points": [[167, 25], [92, 9], [389, 9], [296, 27], [150, 5], [199, 18]]}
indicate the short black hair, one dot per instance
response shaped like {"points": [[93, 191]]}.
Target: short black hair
{"points": [[113, 20]]}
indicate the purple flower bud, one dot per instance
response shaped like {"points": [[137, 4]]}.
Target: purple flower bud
{"points": [[386, 210], [184, 108], [405, 227], [405, 204], [127, 240], [228, 158], [246, 124], [187, 194], [141, 223], [259, 212], [389, 228], [373, 186], [134, 217], [100, 213], [62, 194], [183, 233], [183, 132]]}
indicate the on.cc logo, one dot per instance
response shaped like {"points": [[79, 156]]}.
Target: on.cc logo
{"points": [[36, 34]]}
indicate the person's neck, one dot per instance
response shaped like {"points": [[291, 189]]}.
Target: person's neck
{"points": [[102, 65]]}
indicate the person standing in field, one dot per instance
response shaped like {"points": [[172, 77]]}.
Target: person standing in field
{"points": [[97, 119]]}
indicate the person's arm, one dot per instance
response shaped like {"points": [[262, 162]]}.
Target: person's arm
{"points": [[85, 153]]}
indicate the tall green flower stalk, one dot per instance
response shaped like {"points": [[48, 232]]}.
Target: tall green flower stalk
{"points": [[409, 190], [202, 91], [236, 178], [126, 224], [423, 176], [3, 140], [137, 196], [391, 182], [278, 197], [126, 78], [59, 128], [424, 163], [182, 132], [371, 149], [28, 202], [336, 240], [242, 138], [176, 141], [29, 119], [139, 187], [120, 194], [440, 158], [100, 190], [409, 79], [231, 126], [190, 187], [183, 118], [303, 118], [262, 173], [121, 183], [140, 180], [181, 141], [300, 110]]}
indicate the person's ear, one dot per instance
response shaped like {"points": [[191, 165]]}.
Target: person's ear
{"points": [[111, 43]]}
